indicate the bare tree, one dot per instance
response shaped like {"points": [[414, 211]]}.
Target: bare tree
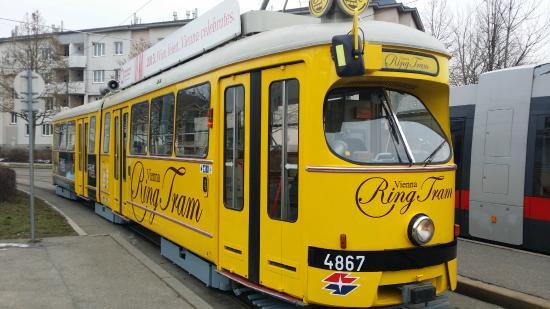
{"points": [[32, 47], [137, 47], [496, 34], [439, 21]]}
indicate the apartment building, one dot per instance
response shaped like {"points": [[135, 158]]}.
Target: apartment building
{"points": [[94, 56]]}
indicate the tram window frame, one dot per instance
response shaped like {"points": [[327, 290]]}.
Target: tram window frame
{"points": [[182, 115], [80, 146], [402, 153], [106, 132], [117, 146], [234, 197], [71, 137], [92, 135], [134, 124], [63, 137], [284, 212], [58, 136], [167, 137]]}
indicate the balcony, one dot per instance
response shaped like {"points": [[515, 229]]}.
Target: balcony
{"points": [[69, 88], [76, 61]]}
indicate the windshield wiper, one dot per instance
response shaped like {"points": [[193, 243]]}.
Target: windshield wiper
{"points": [[430, 158]]}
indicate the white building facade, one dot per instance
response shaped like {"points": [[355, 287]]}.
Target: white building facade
{"points": [[94, 56]]}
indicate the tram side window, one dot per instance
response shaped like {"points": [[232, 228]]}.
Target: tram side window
{"points": [[283, 149], [541, 175], [107, 133], [162, 124], [71, 135], [58, 136], [138, 127], [91, 146], [192, 121]]}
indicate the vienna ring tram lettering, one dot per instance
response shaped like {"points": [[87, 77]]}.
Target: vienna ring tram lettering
{"points": [[237, 149], [377, 197], [156, 193]]}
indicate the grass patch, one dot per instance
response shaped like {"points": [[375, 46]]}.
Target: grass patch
{"points": [[15, 219]]}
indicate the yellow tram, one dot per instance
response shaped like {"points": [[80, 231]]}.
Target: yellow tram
{"points": [[259, 164]]}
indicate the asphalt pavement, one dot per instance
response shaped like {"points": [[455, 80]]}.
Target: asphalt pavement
{"points": [[126, 270]]}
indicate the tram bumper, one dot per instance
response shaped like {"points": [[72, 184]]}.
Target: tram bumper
{"points": [[422, 295]]}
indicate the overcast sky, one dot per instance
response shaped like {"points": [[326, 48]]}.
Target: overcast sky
{"points": [[101, 13]]}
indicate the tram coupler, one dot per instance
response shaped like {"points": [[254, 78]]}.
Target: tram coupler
{"points": [[422, 295]]}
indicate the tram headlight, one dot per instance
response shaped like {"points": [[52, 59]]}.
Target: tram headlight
{"points": [[421, 230]]}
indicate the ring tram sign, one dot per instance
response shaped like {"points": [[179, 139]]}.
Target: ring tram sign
{"points": [[320, 8]]}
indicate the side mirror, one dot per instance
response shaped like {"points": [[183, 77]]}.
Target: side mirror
{"points": [[349, 62]]}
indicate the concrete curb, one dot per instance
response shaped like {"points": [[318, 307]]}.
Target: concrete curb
{"points": [[22, 165], [184, 292], [73, 224], [498, 295]]}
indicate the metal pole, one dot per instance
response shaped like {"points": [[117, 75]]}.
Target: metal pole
{"points": [[31, 150]]}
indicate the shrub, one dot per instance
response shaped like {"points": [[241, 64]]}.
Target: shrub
{"points": [[7, 184], [18, 155]]}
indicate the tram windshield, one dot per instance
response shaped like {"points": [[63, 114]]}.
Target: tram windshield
{"points": [[380, 126]]}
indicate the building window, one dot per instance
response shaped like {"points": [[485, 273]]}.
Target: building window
{"points": [[117, 74], [66, 49], [13, 118], [27, 129], [48, 104], [192, 121], [99, 76], [99, 49], [47, 129], [118, 48], [46, 53]]}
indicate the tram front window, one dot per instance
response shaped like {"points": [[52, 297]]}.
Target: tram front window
{"points": [[378, 126]]}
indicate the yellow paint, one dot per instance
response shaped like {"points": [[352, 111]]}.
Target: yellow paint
{"points": [[373, 57], [164, 194], [404, 61]]}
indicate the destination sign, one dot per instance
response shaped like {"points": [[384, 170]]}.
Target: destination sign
{"points": [[219, 25], [409, 61]]}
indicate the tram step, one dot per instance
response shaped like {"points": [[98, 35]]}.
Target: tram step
{"points": [[195, 265], [108, 214], [242, 290], [66, 193]]}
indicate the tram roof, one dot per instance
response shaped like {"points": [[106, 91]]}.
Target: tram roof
{"points": [[79, 110], [268, 43]]}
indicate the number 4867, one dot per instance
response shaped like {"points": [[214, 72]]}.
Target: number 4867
{"points": [[349, 262]]}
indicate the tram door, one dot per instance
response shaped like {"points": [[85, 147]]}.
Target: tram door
{"points": [[234, 180], [458, 129], [81, 175], [282, 258], [120, 123]]}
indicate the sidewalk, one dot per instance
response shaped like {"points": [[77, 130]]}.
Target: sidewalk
{"points": [[508, 268], [85, 272]]}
